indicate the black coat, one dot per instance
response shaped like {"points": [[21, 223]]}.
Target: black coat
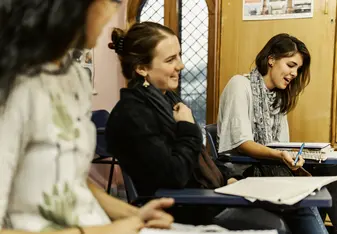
{"points": [[153, 157]]}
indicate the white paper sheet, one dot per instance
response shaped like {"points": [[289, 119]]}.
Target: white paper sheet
{"points": [[277, 190]]}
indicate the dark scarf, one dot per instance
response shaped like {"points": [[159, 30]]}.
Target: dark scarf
{"points": [[206, 172]]}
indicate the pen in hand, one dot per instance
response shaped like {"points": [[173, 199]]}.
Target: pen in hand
{"points": [[299, 153]]}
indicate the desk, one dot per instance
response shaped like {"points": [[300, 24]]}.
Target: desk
{"points": [[233, 158], [209, 197]]}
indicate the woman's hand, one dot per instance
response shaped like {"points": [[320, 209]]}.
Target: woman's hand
{"points": [[130, 225], [231, 181], [153, 215], [182, 113], [289, 161]]}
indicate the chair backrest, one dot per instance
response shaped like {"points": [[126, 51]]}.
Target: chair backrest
{"points": [[100, 118], [130, 188], [211, 134]]}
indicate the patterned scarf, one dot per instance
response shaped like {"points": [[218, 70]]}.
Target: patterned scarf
{"points": [[267, 118]]}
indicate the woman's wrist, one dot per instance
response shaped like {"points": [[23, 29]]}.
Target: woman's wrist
{"points": [[128, 212], [276, 154]]}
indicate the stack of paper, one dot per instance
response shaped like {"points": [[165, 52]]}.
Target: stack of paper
{"points": [[278, 190], [313, 151], [307, 145], [183, 229]]}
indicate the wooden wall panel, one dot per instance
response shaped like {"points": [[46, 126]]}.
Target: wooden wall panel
{"points": [[242, 40]]}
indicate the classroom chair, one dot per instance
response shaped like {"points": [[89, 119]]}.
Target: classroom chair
{"points": [[100, 118], [211, 135], [222, 160]]}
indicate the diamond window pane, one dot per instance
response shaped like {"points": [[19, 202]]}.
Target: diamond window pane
{"points": [[153, 10], [194, 38]]}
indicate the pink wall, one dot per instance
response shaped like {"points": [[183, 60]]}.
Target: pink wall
{"points": [[108, 80]]}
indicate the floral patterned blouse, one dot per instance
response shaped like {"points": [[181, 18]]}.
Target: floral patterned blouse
{"points": [[47, 142]]}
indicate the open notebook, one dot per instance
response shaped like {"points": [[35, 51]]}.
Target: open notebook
{"points": [[313, 151], [277, 190], [186, 229]]}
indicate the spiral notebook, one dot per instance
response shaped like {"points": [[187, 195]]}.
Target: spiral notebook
{"points": [[312, 151]]}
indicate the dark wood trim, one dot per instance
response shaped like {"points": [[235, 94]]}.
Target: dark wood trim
{"points": [[213, 58], [171, 15], [334, 97], [212, 5], [217, 59]]}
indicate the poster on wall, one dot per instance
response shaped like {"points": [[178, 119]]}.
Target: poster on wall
{"points": [[86, 59], [277, 9]]}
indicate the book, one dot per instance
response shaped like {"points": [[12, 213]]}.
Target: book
{"points": [[277, 190], [313, 151]]}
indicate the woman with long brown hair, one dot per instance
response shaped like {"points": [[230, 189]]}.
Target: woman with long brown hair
{"points": [[253, 112]]}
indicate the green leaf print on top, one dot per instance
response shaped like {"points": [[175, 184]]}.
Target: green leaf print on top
{"points": [[63, 120], [58, 208]]}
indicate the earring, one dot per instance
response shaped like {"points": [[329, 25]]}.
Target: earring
{"points": [[146, 83]]}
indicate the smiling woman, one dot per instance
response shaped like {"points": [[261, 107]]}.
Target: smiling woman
{"points": [[151, 132], [157, 42], [166, 65], [284, 56], [254, 107], [252, 113], [150, 60]]}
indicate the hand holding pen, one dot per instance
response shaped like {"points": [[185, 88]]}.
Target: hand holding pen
{"points": [[290, 161], [299, 153]]}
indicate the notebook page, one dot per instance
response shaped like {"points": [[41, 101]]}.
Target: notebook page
{"points": [[331, 155], [186, 229], [307, 187], [278, 190]]}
